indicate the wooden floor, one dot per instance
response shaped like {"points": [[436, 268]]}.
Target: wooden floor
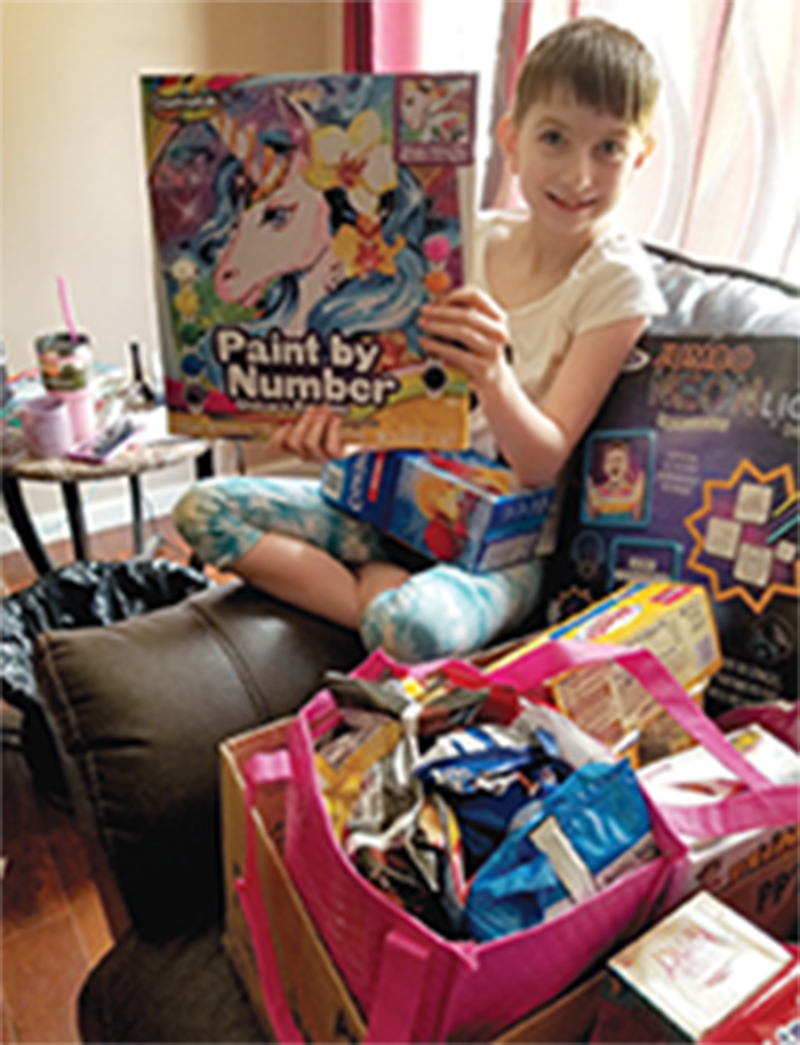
{"points": [[53, 925]]}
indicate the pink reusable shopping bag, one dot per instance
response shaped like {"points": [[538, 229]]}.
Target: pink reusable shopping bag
{"points": [[392, 1019], [415, 986], [468, 991]]}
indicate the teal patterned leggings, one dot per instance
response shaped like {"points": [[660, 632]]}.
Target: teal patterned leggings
{"points": [[441, 609]]}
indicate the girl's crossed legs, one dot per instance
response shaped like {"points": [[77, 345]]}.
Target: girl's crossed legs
{"points": [[283, 537]]}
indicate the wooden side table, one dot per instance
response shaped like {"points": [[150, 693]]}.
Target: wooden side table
{"points": [[151, 455]]}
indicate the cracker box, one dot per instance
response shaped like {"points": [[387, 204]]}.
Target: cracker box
{"points": [[673, 621], [299, 224], [691, 976], [453, 507], [755, 871], [689, 473]]}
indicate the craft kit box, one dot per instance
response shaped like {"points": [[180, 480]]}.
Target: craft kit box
{"points": [[453, 507], [704, 973], [321, 1006], [690, 473], [299, 223]]}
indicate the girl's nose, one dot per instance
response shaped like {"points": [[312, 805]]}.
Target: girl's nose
{"points": [[578, 170]]}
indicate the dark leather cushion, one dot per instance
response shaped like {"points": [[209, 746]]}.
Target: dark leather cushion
{"points": [[140, 707], [179, 989]]}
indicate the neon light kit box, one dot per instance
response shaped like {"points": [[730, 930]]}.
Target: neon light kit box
{"points": [[300, 222], [452, 507], [690, 473]]}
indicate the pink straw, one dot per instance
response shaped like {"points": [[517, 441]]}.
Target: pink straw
{"points": [[66, 311]]}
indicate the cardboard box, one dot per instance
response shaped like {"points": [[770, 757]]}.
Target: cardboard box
{"points": [[458, 508], [320, 1003], [753, 871], [688, 975], [763, 884], [673, 621]]}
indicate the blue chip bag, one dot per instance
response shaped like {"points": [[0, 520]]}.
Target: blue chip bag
{"points": [[487, 773], [588, 832]]}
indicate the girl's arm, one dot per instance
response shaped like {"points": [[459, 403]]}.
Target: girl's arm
{"points": [[536, 440]]}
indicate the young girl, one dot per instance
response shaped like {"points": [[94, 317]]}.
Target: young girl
{"points": [[561, 295]]}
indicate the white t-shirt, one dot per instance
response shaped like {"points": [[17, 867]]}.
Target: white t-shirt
{"points": [[612, 280]]}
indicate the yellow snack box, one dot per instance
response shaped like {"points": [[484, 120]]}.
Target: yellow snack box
{"points": [[672, 620]]}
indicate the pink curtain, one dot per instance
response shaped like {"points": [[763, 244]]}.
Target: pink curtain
{"points": [[382, 35], [723, 182]]}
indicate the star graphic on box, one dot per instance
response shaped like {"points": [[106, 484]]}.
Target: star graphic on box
{"points": [[745, 535]]}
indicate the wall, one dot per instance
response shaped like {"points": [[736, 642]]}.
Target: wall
{"points": [[74, 198]]}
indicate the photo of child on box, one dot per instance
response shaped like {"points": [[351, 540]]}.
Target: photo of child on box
{"points": [[559, 295]]}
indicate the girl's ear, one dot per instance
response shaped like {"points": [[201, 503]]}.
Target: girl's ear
{"points": [[507, 138], [646, 151]]}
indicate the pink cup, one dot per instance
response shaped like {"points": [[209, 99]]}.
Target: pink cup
{"points": [[80, 409], [65, 363], [48, 432]]}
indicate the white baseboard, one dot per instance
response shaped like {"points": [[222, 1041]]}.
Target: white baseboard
{"points": [[99, 515]]}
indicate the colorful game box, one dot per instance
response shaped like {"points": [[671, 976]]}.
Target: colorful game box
{"points": [[453, 507], [700, 975], [690, 473], [299, 223]]}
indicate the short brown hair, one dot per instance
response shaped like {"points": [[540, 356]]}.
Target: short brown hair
{"points": [[598, 63]]}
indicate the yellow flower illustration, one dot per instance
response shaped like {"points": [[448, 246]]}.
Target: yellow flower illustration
{"points": [[362, 249], [353, 160]]}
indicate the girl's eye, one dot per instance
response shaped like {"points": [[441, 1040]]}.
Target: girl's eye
{"points": [[611, 149], [552, 137], [277, 217]]}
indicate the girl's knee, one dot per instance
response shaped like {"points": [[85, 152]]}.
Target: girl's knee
{"points": [[194, 507], [205, 517], [409, 626]]}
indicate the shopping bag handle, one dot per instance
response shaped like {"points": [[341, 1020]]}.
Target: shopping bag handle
{"points": [[401, 976], [259, 770], [761, 804]]}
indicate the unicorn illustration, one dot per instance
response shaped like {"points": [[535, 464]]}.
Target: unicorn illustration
{"points": [[434, 110], [312, 215]]}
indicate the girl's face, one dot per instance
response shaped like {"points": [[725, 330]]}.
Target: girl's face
{"points": [[573, 162]]}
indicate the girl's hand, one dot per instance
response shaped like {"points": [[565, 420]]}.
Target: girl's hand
{"points": [[315, 436], [470, 318]]}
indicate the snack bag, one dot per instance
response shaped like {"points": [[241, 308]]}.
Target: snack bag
{"points": [[487, 773], [590, 831]]}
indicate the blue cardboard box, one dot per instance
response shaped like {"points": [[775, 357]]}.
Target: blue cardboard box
{"points": [[452, 507]]}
